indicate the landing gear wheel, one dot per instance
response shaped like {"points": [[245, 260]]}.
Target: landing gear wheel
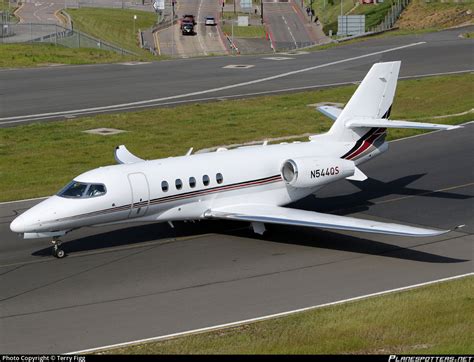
{"points": [[57, 251]]}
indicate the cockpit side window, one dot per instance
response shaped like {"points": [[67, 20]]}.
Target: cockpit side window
{"points": [[78, 190], [95, 190]]}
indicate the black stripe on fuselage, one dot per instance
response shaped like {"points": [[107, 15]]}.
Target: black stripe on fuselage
{"points": [[359, 142]]}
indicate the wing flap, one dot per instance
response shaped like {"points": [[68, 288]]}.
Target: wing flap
{"points": [[285, 216]]}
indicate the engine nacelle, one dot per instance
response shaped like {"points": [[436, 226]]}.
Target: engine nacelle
{"points": [[311, 172]]}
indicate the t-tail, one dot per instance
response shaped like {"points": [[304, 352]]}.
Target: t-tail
{"points": [[364, 119]]}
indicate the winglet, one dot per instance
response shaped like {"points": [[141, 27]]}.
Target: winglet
{"points": [[122, 155]]}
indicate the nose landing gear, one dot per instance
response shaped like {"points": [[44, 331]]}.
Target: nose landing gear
{"points": [[57, 251]]}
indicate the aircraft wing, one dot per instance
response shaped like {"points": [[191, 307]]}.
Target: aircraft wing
{"points": [[282, 215], [330, 111], [368, 122]]}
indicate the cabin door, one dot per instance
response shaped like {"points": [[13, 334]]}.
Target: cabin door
{"points": [[140, 194]]}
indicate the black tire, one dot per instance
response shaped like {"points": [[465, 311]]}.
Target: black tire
{"points": [[59, 253]]}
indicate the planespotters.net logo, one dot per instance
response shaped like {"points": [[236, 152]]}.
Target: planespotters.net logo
{"points": [[395, 358]]}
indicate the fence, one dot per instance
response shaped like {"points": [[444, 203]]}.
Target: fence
{"points": [[55, 34], [391, 16], [145, 5]]}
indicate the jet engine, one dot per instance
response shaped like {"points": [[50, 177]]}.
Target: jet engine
{"points": [[311, 172]]}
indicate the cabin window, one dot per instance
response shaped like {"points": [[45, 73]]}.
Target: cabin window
{"points": [[219, 178], [178, 184], [164, 186], [205, 180], [192, 182]]}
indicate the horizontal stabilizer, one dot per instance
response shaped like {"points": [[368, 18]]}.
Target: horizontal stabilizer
{"points": [[330, 111], [385, 123], [122, 155], [357, 176], [282, 215]]}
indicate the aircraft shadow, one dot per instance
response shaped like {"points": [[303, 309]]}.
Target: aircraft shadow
{"points": [[323, 239], [370, 189], [275, 233]]}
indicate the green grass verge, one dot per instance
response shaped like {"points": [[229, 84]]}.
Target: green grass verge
{"points": [[435, 319], [328, 10], [374, 14], [33, 55], [37, 159], [251, 31], [114, 25]]}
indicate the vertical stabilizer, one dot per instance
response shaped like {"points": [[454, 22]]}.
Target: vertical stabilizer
{"points": [[372, 99]]}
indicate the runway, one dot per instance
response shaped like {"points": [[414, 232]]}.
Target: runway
{"points": [[131, 283], [50, 93]]}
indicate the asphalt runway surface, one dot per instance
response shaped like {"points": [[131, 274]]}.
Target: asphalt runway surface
{"points": [[37, 94], [120, 284]]}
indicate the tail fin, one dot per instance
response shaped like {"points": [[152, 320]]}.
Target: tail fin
{"points": [[365, 116], [372, 99]]}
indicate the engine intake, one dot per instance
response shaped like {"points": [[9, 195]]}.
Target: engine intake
{"points": [[312, 172]]}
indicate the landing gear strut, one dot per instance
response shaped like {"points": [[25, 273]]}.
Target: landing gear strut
{"points": [[57, 251]]}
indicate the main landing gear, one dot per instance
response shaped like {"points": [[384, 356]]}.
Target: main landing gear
{"points": [[57, 251]]}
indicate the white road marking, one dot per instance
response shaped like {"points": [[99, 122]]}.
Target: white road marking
{"points": [[212, 90], [270, 316], [238, 66], [278, 58], [199, 26], [289, 30], [241, 95]]}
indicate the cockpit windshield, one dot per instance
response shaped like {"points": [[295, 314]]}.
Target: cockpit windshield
{"points": [[77, 190]]}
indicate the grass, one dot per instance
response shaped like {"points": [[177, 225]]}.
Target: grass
{"points": [[469, 35], [435, 319], [33, 55], [328, 10], [114, 25], [435, 15], [251, 31], [39, 158], [374, 14]]}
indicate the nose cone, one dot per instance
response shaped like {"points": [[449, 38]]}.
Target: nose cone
{"points": [[18, 225]]}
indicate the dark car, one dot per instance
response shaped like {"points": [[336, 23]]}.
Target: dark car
{"points": [[187, 27], [189, 17]]}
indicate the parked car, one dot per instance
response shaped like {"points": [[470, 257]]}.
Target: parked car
{"points": [[210, 20]]}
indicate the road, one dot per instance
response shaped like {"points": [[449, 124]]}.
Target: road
{"points": [[207, 39], [287, 26], [129, 283], [55, 92]]}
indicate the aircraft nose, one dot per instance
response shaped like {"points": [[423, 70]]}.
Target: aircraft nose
{"points": [[18, 225]]}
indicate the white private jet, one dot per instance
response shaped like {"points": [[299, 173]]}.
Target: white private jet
{"points": [[247, 183]]}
